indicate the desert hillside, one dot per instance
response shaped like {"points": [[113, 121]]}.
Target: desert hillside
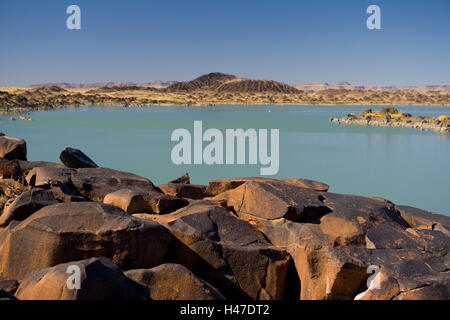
{"points": [[210, 89]]}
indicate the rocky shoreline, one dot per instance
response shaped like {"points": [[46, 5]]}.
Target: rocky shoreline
{"points": [[245, 238], [396, 120]]}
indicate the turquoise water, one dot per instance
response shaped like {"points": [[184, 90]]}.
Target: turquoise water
{"points": [[406, 166]]}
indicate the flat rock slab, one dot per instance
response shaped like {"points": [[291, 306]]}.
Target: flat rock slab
{"points": [[13, 148], [75, 158], [100, 279], [273, 200], [225, 251], [172, 281], [79, 230], [138, 201], [216, 187]]}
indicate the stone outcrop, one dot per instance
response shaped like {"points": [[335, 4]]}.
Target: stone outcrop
{"points": [[75, 158], [26, 204], [95, 183], [390, 117], [100, 280], [184, 190], [79, 230], [12, 148], [138, 201], [242, 238], [227, 252], [216, 187], [273, 200], [172, 281]]}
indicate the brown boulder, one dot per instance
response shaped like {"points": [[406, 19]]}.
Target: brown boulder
{"points": [[26, 204], [79, 230], [13, 148], [273, 200], [216, 187], [138, 201], [330, 254], [49, 176], [309, 184], [9, 286], [421, 219], [95, 183], [225, 251], [190, 191], [100, 279], [174, 282], [10, 169], [75, 158], [183, 179]]}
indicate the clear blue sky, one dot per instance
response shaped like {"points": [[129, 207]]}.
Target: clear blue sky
{"points": [[290, 41]]}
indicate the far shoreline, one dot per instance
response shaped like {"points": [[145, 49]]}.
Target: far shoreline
{"points": [[27, 110]]}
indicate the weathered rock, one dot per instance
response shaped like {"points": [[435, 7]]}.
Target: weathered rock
{"points": [[319, 241], [26, 204], [138, 201], [341, 272], [384, 236], [225, 251], [13, 148], [64, 193], [273, 200], [421, 219], [382, 287], [26, 166], [49, 176], [9, 190], [79, 230], [191, 191], [216, 187], [100, 280], [174, 282], [10, 169], [95, 183], [309, 184], [183, 179], [75, 158], [9, 286], [6, 295]]}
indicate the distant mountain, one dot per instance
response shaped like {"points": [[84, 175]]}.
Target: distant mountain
{"points": [[96, 85], [229, 83], [222, 82], [317, 86]]}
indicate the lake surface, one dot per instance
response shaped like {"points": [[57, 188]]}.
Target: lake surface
{"points": [[406, 166]]}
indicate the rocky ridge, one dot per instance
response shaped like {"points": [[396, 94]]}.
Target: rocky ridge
{"points": [[210, 89], [391, 117], [242, 238]]}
